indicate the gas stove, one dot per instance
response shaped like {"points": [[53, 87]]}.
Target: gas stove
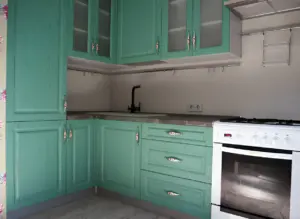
{"points": [[256, 169], [262, 121]]}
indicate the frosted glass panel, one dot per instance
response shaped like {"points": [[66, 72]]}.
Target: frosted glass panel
{"points": [[104, 27], [177, 22], [211, 12], [81, 23]]}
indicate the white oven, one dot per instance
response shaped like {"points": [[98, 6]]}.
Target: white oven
{"points": [[256, 172]]}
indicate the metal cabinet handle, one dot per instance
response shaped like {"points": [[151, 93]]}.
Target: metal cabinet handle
{"points": [[194, 40], [97, 48], [65, 134], [171, 193], [137, 137], [93, 47], [65, 104], [173, 159], [188, 41], [174, 133], [70, 134], [157, 46]]}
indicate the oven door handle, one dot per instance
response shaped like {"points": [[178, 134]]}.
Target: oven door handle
{"points": [[279, 156]]}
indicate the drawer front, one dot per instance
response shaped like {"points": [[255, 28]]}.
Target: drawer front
{"points": [[175, 159], [177, 133], [179, 194]]}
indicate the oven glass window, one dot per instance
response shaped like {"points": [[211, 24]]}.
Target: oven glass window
{"points": [[256, 186]]}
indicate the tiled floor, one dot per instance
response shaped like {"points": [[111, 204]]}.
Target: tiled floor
{"points": [[96, 208]]}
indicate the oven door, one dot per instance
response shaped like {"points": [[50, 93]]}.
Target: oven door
{"points": [[255, 183]]}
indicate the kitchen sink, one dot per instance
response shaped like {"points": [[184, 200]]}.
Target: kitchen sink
{"points": [[139, 115]]}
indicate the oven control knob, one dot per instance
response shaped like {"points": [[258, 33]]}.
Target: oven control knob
{"points": [[286, 139]]}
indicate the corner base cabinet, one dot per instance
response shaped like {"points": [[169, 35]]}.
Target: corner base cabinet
{"points": [[80, 149], [35, 162], [118, 151]]}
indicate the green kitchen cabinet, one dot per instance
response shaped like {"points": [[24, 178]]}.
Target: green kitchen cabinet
{"points": [[119, 151], [91, 29], [81, 33], [199, 27], [36, 61], [177, 21], [139, 31], [35, 162], [177, 159], [211, 27], [183, 195], [80, 147]]}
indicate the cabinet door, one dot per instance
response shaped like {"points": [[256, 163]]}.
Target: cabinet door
{"points": [[82, 22], [119, 154], [177, 28], [35, 162], [139, 30], [105, 18], [36, 79], [211, 26], [79, 154]]}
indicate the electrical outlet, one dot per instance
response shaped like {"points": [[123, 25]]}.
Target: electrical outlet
{"points": [[195, 108]]}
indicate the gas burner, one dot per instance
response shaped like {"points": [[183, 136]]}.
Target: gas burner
{"points": [[262, 121]]}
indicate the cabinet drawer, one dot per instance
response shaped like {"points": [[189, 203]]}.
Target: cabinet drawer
{"points": [[181, 160], [179, 194], [177, 133]]}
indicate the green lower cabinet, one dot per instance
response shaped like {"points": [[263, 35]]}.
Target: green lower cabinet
{"points": [[179, 194], [80, 148], [181, 160], [118, 151], [35, 162]]}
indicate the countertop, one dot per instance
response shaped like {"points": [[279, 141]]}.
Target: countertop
{"points": [[176, 119]]}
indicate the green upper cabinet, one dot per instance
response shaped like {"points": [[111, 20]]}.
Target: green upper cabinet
{"points": [[80, 148], [92, 28], [118, 154], [139, 31], [82, 22], [211, 27], [177, 27], [36, 78], [35, 162]]}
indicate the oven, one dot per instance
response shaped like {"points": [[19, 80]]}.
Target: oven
{"points": [[255, 182]]}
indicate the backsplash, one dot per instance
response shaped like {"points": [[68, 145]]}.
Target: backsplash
{"points": [[88, 92], [249, 90]]}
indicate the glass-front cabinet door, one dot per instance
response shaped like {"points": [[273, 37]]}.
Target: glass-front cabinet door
{"points": [[211, 23], [82, 30], [177, 28], [103, 28]]}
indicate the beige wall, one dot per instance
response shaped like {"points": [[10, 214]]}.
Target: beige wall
{"points": [[249, 90], [88, 92], [3, 25]]}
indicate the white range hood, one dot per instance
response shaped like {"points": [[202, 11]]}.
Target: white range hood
{"points": [[246, 9]]}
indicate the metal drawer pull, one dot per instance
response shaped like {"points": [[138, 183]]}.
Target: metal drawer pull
{"points": [[173, 159], [171, 193], [174, 133]]}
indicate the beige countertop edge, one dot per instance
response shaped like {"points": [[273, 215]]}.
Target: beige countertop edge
{"points": [[174, 119]]}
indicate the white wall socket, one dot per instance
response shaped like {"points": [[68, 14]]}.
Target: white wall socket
{"points": [[195, 108]]}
